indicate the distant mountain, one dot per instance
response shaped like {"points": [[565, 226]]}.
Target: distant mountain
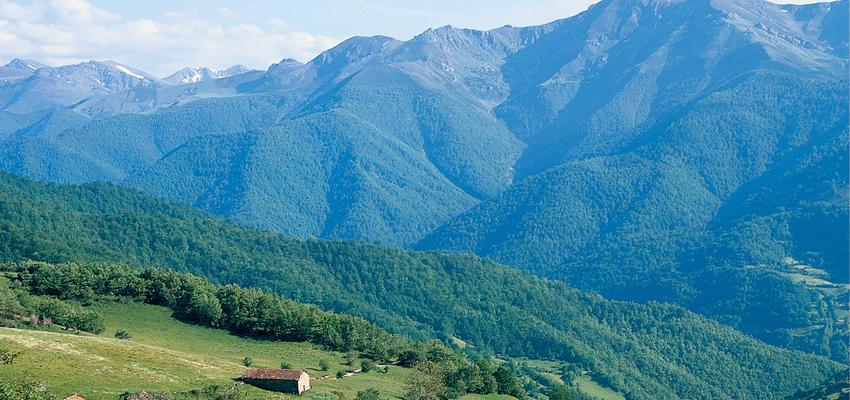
{"points": [[681, 151], [48, 88], [18, 69], [199, 74]]}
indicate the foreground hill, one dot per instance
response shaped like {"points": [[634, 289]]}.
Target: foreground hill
{"points": [[643, 351], [165, 354]]}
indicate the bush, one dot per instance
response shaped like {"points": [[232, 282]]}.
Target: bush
{"points": [[426, 383], [368, 394], [340, 374], [24, 390], [286, 365], [9, 306], [122, 334], [560, 392], [366, 365], [7, 356], [323, 365], [247, 361]]}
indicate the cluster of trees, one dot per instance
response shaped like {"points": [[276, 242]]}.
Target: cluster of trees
{"points": [[255, 313], [68, 315], [444, 375], [248, 312], [48, 311]]}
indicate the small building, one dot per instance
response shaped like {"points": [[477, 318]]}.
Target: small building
{"points": [[294, 381]]}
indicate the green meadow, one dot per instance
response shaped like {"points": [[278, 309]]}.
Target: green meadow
{"points": [[166, 354]]}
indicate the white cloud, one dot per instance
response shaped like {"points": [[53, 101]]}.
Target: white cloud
{"points": [[68, 31], [226, 12]]}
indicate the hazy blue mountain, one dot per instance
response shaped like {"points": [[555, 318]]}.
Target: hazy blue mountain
{"points": [[117, 147], [198, 74], [102, 89], [824, 21], [48, 88], [18, 69], [316, 176], [447, 149]]}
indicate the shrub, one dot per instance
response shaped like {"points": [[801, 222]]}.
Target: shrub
{"points": [[23, 390], [323, 365], [247, 361], [426, 383], [7, 356], [560, 392], [122, 334], [366, 365], [368, 394]]}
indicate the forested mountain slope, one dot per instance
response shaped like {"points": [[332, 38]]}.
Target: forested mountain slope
{"points": [[645, 351], [834, 388], [678, 174], [720, 186]]}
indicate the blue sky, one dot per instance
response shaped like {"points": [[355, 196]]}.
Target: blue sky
{"points": [[163, 36]]}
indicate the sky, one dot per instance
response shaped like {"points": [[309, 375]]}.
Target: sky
{"points": [[161, 37]]}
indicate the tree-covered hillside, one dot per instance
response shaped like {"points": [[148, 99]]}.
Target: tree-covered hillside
{"points": [[645, 351], [746, 176], [836, 387]]}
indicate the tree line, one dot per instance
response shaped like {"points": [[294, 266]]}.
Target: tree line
{"points": [[250, 312]]}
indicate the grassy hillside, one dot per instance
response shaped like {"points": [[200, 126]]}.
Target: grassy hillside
{"points": [[166, 354], [642, 351]]}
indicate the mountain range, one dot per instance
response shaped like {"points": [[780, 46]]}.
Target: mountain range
{"points": [[649, 150], [199, 74]]}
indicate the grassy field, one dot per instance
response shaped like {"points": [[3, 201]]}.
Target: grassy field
{"points": [[487, 397], [588, 386], [165, 354]]}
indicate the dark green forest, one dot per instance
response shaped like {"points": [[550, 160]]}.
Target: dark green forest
{"points": [[701, 209]]}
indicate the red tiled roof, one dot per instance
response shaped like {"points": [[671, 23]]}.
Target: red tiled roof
{"points": [[273, 374]]}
